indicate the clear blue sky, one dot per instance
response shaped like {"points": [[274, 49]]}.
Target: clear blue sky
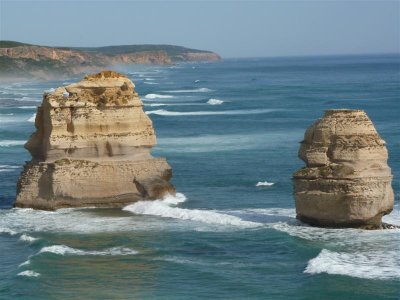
{"points": [[231, 28]]}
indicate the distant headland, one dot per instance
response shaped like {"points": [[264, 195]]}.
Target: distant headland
{"points": [[21, 60]]}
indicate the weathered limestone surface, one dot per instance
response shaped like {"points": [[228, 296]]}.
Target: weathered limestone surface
{"points": [[92, 148], [346, 181]]}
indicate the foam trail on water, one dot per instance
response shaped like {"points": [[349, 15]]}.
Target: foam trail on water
{"points": [[65, 250], [163, 112], [27, 107], [165, 208], [32, 119], [370, 265], [150, 82], [264, 183], [10, 143], [215, 101], [8, 168], [199, 90], [155, 96], [29, 273]]}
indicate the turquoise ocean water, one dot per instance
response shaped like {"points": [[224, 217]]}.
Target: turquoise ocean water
{"points": [[224, 127]]}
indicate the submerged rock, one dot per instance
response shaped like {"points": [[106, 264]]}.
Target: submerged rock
{"points": [[346, 181], [92, 148]]}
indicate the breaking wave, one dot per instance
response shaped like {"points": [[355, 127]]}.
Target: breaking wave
{"points": [[166, 208], [215, 101], [369, 265], [163, 112], [10, 143], [199, 90], [27, 107], [27, 238], [65, 250], [8, 168], [29, 273], [156, 96], [264, 183], [32, 119]]}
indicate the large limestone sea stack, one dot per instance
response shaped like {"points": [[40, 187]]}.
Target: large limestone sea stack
{"points": [[346, 181], [92, 148]]}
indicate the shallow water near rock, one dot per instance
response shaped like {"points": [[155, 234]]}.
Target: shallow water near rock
{"points": [[224, 236]]}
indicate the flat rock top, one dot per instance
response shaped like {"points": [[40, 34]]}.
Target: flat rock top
{"points": [[107, 88]]}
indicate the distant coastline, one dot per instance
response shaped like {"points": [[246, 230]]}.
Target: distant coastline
{"points": [[20, 61]]}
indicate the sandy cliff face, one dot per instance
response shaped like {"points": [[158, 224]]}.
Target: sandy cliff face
{"points": [[346, 181], [92, 147]]}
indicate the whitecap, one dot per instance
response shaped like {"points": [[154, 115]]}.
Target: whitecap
{"points": [[65, 250], [165, 208], [29, 273], [8, 168], [197, 81], [27, 238], [25, 263], [10, 114], [26, 98], [155, 96], [27, 107], [264, 183], [8, 231], [215, 101], [147, 82], [163, 112], [369, 265], [199, 90], [10, 143], [32, 118], [155, 104]]}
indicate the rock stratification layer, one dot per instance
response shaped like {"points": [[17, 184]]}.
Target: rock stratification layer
{"points": [[92, 148], [346, 181]]}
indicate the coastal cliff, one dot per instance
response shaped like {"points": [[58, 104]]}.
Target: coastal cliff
{"points": [[346, 181], [24, 60], [92, 148]]}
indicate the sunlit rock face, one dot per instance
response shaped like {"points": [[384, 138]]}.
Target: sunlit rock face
{"points": [[346, 181], [92, 148]]}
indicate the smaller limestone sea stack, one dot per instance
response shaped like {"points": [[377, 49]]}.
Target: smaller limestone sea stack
{"points": [[346, 181], [92, 148]]}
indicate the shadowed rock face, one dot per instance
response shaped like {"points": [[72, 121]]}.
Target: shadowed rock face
{"points": [[346, 181], [92, 148]]}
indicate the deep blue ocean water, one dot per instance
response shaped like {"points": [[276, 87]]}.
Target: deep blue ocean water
{"points": [[229, 239]]}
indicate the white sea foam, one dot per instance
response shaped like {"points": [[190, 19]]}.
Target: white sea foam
{"points": [[199, 90], [228, 142], [26, 98], [149, 79], [264, 183], [25, 263], [165, 208], [150, 82], [197, 81], [32, 118], [10, 114], [155, 104], [27, 107], [370, 265], [163, 112], [27, 238], [155, 96], [215, 101], [8, 231], [29, 273], [8, 168], [65, 250], [10, 143]]}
